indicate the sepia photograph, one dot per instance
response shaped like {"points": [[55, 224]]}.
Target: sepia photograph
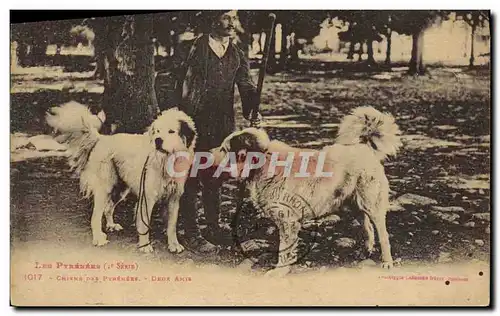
{"points": [[336, 158]]}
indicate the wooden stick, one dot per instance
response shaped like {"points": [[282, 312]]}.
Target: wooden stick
{"points": [[269, 38]]}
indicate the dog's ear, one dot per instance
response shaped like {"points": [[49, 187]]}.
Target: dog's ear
{"points": [[157, 115], [246, 140], [187, 132], [152, 130]]}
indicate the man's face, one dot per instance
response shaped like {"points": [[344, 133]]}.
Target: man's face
{"points": [[224, 25]]}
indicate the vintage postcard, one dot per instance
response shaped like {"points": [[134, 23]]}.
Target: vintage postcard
{"points": [[251, 158]]}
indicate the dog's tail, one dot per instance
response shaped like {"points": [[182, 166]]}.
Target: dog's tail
{"points": [[81, 128], [366, 125]]}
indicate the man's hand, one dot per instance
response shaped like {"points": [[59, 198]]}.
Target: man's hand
{"points": [[255, 119]]}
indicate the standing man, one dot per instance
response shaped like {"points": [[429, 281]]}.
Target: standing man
{"points": [[205, 85]]}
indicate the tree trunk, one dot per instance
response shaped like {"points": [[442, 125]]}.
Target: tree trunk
{"points": [[421, 68], [129, 99], [416, 62], [22, 53], [99, 52], [471, 60], [388, 51], [35, 37], [245, 36], [37, 53], [175, 41], [107, 34], [284, 48], [168, 46], [294, 50], [350, 53], [369, 51]]}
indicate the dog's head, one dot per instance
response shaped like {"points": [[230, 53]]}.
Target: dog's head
{"points": [[241, 143], [173, 131]]}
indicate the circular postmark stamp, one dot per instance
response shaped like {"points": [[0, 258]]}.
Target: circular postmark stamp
{"points": [[269, 223]]}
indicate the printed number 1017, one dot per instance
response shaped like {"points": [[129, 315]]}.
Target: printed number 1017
{"points": [[33, 277]]}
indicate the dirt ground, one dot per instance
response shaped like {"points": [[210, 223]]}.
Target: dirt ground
{"points": [[440, 181]]}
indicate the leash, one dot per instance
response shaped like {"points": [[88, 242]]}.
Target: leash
{"points": [[142, 197]]}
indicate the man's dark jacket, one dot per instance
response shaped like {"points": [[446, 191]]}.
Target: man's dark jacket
{"points": [[195, 95]]}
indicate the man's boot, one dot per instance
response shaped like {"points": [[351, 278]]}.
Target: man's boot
{"points": [[211, 197], [193, 239]]}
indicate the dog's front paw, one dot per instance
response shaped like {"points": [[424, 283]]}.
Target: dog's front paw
{"points": [[254, 244], [387, 265], [175, 247], [278, 272], [100, 239], [114, 227], [145, 248]]}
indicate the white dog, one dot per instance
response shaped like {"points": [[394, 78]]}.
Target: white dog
{"points": [[139, 160], [365, 139]]}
